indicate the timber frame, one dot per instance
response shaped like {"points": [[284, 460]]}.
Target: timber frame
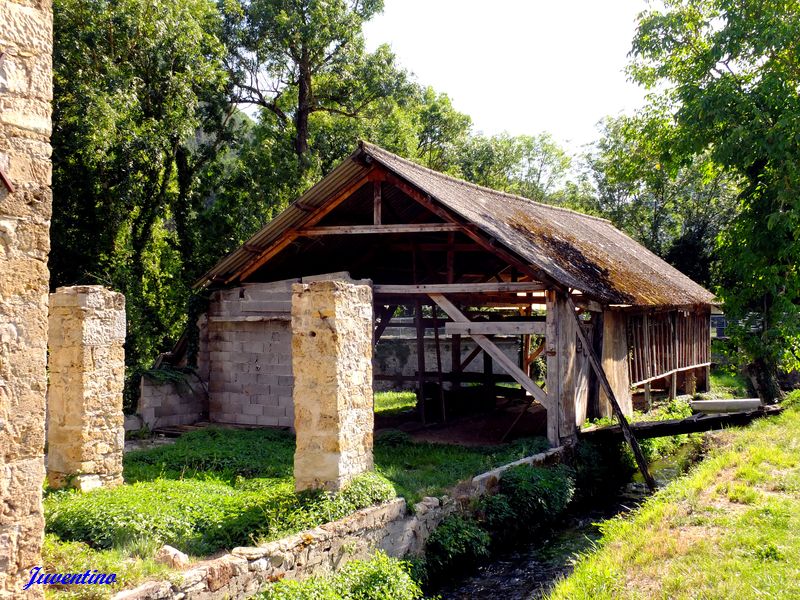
{"points": [[471, 262]]}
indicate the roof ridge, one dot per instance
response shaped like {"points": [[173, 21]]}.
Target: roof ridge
{"points": [[369, 147]]}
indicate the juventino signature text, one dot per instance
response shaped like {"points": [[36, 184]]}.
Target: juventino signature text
{"points": [[90, 577]]}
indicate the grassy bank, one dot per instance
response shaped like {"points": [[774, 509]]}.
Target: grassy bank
{"points": [[728, 529]]}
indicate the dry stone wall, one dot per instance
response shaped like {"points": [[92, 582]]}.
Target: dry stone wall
{"points": [[85, 425], [332, 364], [26, 43], [389, 527]]}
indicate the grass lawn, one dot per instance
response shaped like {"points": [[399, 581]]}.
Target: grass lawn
{"points": [[216, 488], [728, 383], [728, 529], [394, 403]]}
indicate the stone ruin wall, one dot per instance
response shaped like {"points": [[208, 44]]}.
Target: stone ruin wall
{"points": [[85, 434], [26, 44]]}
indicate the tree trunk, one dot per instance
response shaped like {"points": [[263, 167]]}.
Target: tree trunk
{"points": [[764, 377], [304, 99]]}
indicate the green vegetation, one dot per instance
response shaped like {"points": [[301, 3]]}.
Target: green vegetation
{"points": [[75, 557], [725, 530], [219, 488], [420, 469], [728, 383], [457, 545], [394, 403], [202, 516], [381, 578]]}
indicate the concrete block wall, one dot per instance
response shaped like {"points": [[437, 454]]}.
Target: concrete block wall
{"points": [[248, 341], [167, 404]]}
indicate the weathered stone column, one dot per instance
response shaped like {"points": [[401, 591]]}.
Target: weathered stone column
{"points": [[26, 44], [85, 424], [332, 364]]}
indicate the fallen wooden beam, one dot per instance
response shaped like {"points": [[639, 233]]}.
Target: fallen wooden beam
{"points": [[693, 424]]}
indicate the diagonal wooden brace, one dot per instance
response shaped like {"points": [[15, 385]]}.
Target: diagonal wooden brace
{"points": [[496, 353]]}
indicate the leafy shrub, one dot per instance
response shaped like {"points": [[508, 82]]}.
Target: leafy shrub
{"points": [[456, 545], [381, 578], [601, 470], [537, 495], [792, 399], [200, 517]]}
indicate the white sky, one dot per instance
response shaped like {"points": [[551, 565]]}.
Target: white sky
{"points": [[521, 66]]}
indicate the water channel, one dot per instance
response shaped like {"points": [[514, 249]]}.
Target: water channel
{"points": [[529, 571]]}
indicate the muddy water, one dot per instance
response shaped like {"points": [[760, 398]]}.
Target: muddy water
{"points": [[529, 571]]}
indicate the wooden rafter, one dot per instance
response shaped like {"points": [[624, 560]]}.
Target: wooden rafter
{"points": [[311, 219]]}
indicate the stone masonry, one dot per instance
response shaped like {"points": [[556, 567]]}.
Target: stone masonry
{"points": [[85, 433], [26, 44], [332, 364]]}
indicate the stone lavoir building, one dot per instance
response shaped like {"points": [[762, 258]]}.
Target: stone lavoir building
{"points": [[25, 203], [564, 284]]}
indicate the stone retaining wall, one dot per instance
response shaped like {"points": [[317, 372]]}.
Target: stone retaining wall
{"points": [[322, 550]]}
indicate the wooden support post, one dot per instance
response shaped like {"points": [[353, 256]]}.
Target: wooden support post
{"points": [[488, 380], [561, 381], [691, 382], [673, 386], [552, 379], [469, 358], [420, 360], [615, 363], [451, 258], [594, 385], [648, 396], [439, 378], [705, 379], [376, 198], [626, 429], [386, 313], [455, 362]]}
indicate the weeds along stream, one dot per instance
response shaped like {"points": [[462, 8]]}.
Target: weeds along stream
{"points": [[528, 570]]}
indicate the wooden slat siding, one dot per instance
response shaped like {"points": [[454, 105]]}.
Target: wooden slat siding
{"points": [[376, 200], [666, 343], [312, 219]]}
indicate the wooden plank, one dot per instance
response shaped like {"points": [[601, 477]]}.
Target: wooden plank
{"points": [[623, 422], [378, 229], [386, 316], [492, 350], [290, 236], [552, 382], [455, 362], [495, 328], [376, 200], [459, 288]]}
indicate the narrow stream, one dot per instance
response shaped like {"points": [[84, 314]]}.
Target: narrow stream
{"points": [[529, 571]]}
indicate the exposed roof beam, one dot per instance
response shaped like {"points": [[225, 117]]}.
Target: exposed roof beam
{"points": [[378, 229], [459, 288]]}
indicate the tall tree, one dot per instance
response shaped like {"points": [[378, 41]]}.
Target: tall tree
{"points": [[295, 58], [731, 68], [134, 81]]}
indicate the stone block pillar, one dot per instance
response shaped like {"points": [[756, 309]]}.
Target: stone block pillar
{"points": [[332, 364], [85, 430], [26, 44]]}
